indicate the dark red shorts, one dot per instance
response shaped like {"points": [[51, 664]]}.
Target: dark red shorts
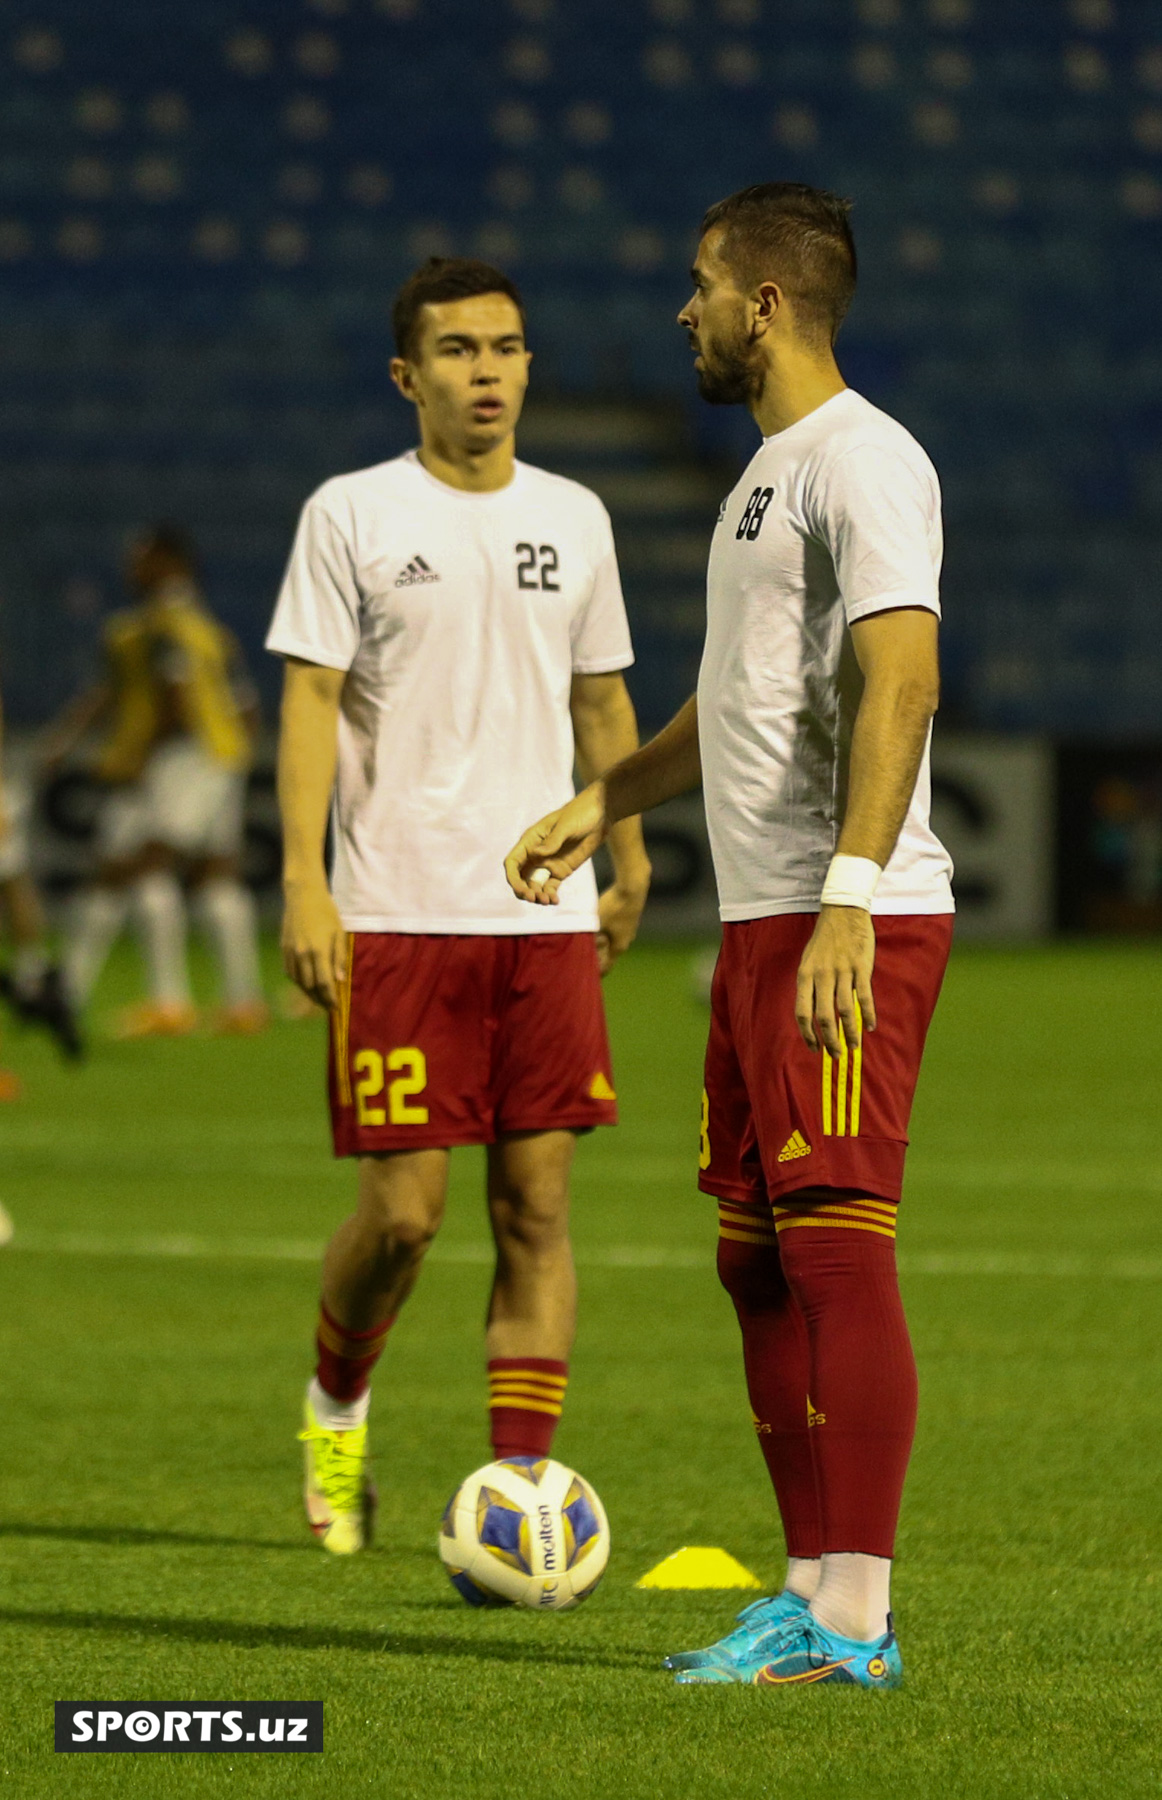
{"points": [[777, 1116], [456, 1040]]}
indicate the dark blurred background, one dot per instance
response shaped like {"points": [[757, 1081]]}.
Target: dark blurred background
{"points": [[204, 211]]}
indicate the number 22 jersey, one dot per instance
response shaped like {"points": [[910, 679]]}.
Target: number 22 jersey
{"points": [[461, 619], [836, 518]]}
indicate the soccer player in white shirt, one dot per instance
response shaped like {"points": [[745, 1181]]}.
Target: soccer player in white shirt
{"points": [[810, 732], [454, 635]]}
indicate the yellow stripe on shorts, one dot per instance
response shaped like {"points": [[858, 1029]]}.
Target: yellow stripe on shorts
{"points": [[835, 1073], [341, 1027]]}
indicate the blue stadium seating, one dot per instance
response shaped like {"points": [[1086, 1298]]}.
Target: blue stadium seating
{"points": [[204, 210]]}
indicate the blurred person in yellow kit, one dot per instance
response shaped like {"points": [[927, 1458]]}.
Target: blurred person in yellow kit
{"points": [[180, 720]]}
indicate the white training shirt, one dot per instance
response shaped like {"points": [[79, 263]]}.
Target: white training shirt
{"points": [[461, 619], [836, 518]]}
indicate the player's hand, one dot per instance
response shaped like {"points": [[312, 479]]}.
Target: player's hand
{"points": [[560, 842], [835, 973], [619, 912], [314, 943]]}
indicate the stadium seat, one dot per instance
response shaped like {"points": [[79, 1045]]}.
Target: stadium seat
{"points": [[200, 230]]}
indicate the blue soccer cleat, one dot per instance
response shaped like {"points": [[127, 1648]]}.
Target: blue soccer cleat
{"points": [[803, 1651], [757, 1625]]}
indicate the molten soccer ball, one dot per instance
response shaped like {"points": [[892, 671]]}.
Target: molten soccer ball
{"points": [[525, 1532]]}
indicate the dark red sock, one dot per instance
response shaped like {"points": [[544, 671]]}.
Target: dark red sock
{"points": [[346, 1358], [525, 1396], [839, 1258], [775, 1354]]}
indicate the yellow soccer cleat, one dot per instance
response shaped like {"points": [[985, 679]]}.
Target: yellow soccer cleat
{"points": [[338, 1493]]}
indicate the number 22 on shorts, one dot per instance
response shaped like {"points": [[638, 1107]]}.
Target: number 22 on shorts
{"points": [[370, 1067]]}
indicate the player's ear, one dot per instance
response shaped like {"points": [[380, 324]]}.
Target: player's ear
{"points": [[403, 374], [766, 306]]}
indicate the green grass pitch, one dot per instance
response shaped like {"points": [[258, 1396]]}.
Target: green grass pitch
{"points": [[157, 1313]]}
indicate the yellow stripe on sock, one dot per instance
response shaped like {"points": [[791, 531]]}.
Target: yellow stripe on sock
{"points": [[853, 1209], [878, 1208], [553, 1388], [521, 1397], [521, 1405], [882, 1215], [532, 1388], [788, 1224], [755, 1218], [530, 1378], [518, 1371]]}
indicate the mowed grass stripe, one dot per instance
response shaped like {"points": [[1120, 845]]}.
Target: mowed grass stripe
{"points": [[614, 1256]]}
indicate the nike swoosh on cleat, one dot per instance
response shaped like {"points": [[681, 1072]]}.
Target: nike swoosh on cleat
{"points": [[767, 1677]]}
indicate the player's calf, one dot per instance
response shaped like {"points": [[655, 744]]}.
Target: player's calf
{"points": [[534, 1295], [371, 1265]]}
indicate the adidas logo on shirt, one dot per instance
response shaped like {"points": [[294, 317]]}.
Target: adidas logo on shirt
{"points": [[416, 572]]}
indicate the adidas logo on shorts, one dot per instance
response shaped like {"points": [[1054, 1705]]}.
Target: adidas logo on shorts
{"points": [[416, 572], [795, 1147]]}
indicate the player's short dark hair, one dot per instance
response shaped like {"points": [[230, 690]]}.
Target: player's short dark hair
{"points": [[445, 278], [168, 543], [798, 236]]}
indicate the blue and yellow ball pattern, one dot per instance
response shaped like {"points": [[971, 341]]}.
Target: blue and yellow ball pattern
{"points": [[525, 1532]]}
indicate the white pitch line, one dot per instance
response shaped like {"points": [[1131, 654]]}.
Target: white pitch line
{"points": [[614, 1256]]}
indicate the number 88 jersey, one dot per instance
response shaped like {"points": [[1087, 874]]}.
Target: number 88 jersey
{"points": [[460, 619], [836, 518]]}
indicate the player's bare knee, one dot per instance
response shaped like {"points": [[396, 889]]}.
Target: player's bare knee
{"points": [[532, 1221], [400, 1235], [399, 1208], [409, 1234]]}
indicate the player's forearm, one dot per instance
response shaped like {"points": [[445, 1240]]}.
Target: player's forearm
{"points": [[307, 750], [887, 747], [604, 736], [665, 767]]}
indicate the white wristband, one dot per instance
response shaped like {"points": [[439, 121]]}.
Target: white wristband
{"points": [[851, 881]]}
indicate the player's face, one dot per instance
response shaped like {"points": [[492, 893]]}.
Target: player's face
{"points": [[149, 566], [717, 321], [471, 371]]}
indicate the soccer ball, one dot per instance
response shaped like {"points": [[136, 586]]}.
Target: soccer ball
{"points": [[525, 1532]]}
